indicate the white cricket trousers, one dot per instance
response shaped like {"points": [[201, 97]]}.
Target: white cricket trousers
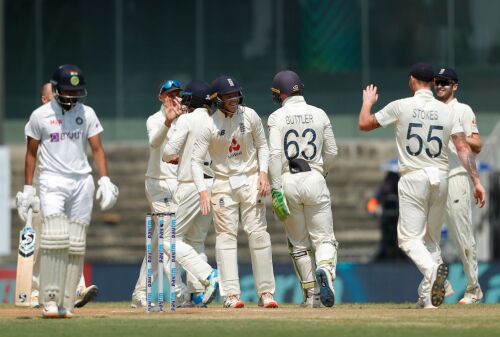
{"points": [[229, 207], [310, 220], [459, 223], [421, 214]]}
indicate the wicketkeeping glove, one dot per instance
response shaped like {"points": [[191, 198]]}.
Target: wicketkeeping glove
{"points": [[279, 204], [108, 191]]}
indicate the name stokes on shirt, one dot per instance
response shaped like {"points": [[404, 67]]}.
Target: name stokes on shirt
{"points": [[431, 115]]}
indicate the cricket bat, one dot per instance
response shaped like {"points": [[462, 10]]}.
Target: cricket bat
{"points": [[25, 259]]}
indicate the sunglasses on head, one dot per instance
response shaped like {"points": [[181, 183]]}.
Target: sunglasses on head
{"points": [[442, 83], [167, 85]]}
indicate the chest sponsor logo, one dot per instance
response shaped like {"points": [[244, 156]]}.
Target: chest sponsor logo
{"points": [[234, 149], [55, 122], [62, 136]]}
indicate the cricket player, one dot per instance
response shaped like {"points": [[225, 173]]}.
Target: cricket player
{"points": [[61, 129], [424, 127], [192, 226], [161, 183], [458, 218], [302, 149], [235, 139], [84, 294]]}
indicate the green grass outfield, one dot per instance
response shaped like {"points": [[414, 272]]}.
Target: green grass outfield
{"points": [[118, 319]]}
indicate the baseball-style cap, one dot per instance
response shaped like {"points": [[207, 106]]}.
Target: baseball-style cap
{"points": [[422, 71], [447, 73], [68, 77]]}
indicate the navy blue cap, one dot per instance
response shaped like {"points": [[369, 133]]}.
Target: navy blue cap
{"points": [[68, 77], [287, 82], [447, 73], [422, 71]]}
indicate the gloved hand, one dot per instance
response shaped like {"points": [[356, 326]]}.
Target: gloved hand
{"points": [[107, 192], [279, 204], [25, 200]]}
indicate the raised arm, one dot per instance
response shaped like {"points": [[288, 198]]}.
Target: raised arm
{"points": [[467, 158], [176, 138], [367, 121]]}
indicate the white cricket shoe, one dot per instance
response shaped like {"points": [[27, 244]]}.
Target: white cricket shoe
{"points": [[50, 310], [325, 282], [424, 303], [474, 295], [85, 295], [312, 299], [267, 300], [65, 313], [233, 301], [139, 300], [438, 284], [212, 287]]}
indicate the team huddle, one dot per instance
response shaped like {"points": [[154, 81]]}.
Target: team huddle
{"points": [[211, 164]]}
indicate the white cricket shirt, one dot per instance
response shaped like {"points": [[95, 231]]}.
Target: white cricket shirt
{"points": [[468, 122], [423, 129], [299, 130], [237, 146], [63, 137], [157, 136], [181, 138]]}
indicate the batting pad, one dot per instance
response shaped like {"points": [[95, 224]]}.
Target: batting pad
{"points": [[304, 265], [77, 237], [73, 274], [55, 232], [54, 244], [53, 264], [326, 255]]}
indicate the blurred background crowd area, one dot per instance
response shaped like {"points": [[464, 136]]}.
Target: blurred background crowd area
{"points": [[127, 47]]}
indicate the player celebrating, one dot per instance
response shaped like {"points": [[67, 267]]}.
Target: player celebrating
{"points": [[61, 129], [458, 217], [424, 127], [235, 139], [192, 226], [161, 182], [302, 149]]}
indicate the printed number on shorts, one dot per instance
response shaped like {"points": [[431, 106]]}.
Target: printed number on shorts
{"points": [[430, 138], [291, 147]]}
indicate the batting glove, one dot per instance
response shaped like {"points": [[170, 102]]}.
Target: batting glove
{"points": [[107, 192], [280, 206], [25, 200]]}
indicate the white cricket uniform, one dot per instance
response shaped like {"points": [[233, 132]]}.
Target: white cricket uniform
{"points": [[66, 185], [66, 195], [192, 226], [424, 127], [458, 218], [160, 185], [299, 130], [238, 148]]}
